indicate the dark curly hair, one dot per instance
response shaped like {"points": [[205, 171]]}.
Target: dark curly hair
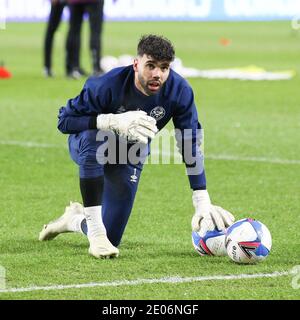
{"points": [[158, 47]]}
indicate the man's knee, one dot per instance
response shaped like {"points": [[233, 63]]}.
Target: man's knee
{"points": [[88, 141], [83, 147]]}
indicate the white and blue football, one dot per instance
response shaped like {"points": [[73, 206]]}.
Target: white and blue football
{"points": [[211, 244], [248, 241]]}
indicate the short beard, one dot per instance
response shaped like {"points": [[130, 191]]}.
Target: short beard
{"points": [[145, 87]]}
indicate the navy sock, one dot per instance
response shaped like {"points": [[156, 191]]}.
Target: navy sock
{"points": [[91, 191]]}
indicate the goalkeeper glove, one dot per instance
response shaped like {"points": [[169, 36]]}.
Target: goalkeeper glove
{"points": [[208, 217], [133, 125]]}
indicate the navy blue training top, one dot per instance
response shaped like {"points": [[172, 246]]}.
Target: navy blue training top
{"points": [[115, 92]]}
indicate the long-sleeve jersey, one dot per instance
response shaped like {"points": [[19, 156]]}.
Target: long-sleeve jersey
{"points": [[115, 92]]}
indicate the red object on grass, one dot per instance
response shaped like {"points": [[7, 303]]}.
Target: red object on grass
{"points": [[4, 73], [225, 42]]}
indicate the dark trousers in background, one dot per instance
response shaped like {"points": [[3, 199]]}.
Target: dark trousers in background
{"points": [[95, 13], [53, 23]]}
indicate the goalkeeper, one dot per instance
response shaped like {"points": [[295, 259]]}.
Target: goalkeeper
{"points": [[131, 103]]}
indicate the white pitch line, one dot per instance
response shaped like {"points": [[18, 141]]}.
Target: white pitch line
{"points": [[29, 144], [224, 157], [171, 280], [254, 159]]}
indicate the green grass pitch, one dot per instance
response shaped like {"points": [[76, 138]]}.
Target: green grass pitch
{"points": [[255, 124]]}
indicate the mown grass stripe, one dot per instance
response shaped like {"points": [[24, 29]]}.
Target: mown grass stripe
{"points": [[223, 157]]}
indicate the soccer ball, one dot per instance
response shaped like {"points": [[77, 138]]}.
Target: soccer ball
{"points": [[248, 241], [212, 243]]}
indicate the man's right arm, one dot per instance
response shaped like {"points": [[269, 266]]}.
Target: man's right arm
{"points": [[69, 123], [90, 110], [81, 113]]}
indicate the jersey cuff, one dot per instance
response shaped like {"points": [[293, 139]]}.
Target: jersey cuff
{"points": [[93, 123]]}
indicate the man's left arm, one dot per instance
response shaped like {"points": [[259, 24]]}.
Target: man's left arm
{"points": [[189, 135]]}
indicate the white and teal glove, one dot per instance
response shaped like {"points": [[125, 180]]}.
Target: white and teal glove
{"points": [[208, 217], [133, 125]]}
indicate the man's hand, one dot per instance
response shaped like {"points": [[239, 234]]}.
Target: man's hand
{"points": [[133, 125], [202, 204], [207, 217]]}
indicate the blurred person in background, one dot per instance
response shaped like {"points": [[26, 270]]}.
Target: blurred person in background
{"points": [[94, 9], [57, 8]]}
